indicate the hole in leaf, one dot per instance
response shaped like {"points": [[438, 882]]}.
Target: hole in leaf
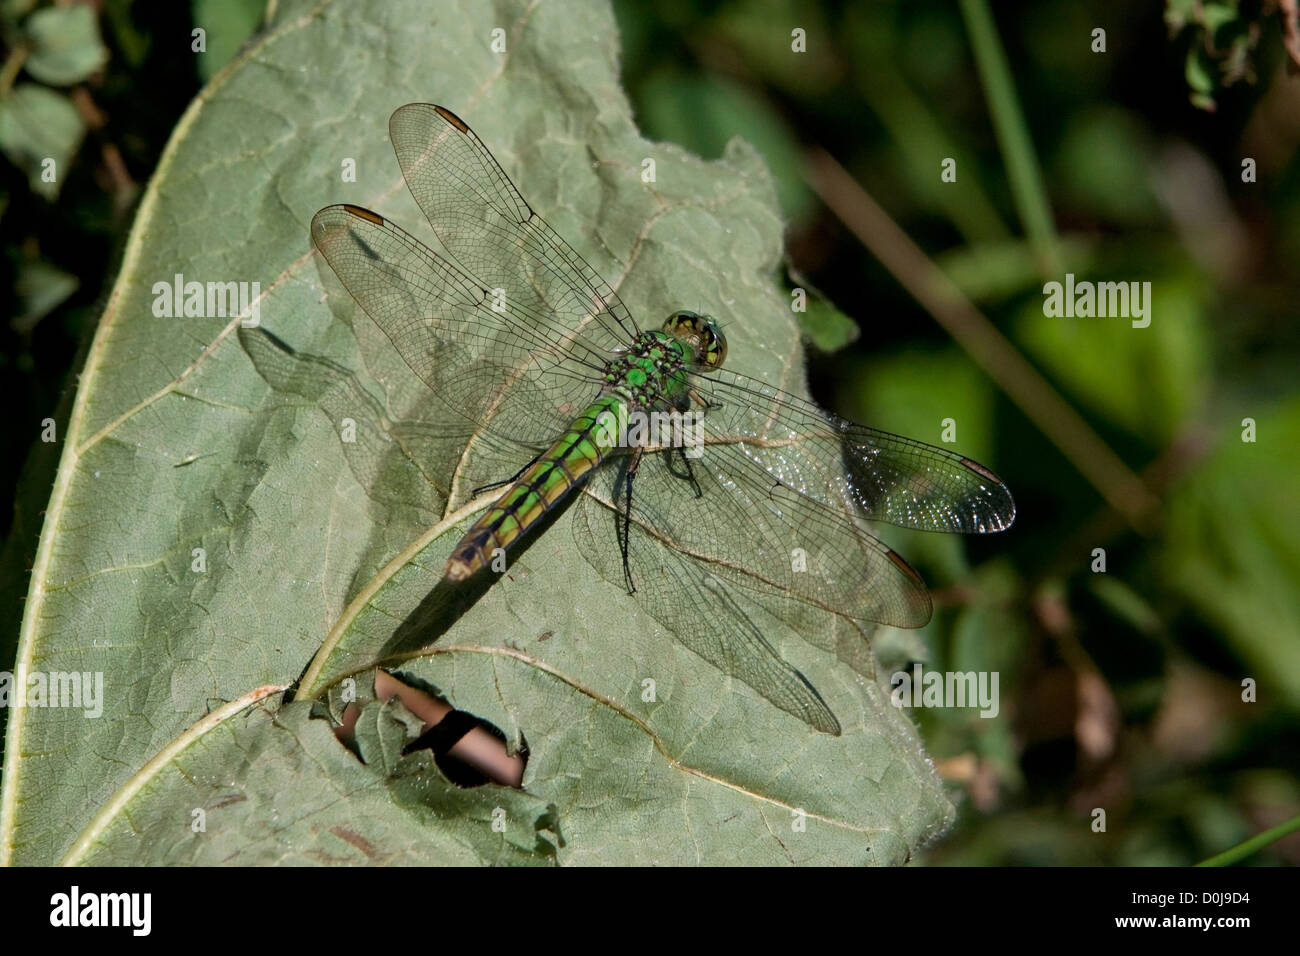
{"points": [[469, 750]]}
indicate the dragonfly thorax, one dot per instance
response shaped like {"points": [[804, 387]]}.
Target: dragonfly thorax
{"points": [[656, 368], [653, 370]]}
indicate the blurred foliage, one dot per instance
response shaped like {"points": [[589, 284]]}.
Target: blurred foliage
{"points": [[40, 128], [1221, 38], [1120, 690]]}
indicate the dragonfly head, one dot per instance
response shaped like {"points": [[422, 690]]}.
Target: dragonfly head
{"points": [[701, 333]]}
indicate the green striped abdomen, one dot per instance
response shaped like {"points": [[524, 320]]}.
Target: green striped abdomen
{"points": [[537, 491]]}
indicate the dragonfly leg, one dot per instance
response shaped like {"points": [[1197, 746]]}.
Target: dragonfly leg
{"points": [[625, 528], [689, 473], [685, 471], [702, 400], [507, 481]]}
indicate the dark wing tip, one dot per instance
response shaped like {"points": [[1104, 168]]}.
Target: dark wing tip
{"points": [[363, 213], [329, 216], [421, 113], [906, 568], [980, 470], [452, 119], [331, 224]]}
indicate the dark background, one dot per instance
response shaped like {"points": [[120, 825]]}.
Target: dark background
{"points": [[1121, 690]]}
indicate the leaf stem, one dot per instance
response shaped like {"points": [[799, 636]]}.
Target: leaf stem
{"points": [[115, 804], [309, 686]]}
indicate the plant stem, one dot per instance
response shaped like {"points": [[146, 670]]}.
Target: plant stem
{"points": [[12, 66], [1256, 843], [990, 349], [1013, 135]]}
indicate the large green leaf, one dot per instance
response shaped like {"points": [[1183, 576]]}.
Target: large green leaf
{"points": [[323, 555]]}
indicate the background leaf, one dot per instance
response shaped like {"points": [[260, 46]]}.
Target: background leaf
{"points": [[280, 790], [65, 44], [1232, 548], [37, 124]]}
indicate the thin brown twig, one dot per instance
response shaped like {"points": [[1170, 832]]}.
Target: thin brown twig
{"points": [[1291, 31], [991, 350], [13, 65]]}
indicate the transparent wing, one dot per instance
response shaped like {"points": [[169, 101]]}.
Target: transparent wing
{"points": [[396, 462], [691, 597], [498, 364], [704, 534], [773, 511], [778, 545], [849, 468], [483, 221]]}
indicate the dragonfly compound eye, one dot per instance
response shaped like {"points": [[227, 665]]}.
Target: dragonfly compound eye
{"points": [[681, 324], [713, 344], [702, 333]]}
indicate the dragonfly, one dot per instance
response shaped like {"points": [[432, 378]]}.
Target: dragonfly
{"points": [[760, 520]]}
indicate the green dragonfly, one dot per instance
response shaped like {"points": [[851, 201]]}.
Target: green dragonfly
{"points": [[762, 513]]}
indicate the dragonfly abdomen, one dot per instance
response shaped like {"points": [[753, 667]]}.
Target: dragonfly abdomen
{"points": [[539, 489]]}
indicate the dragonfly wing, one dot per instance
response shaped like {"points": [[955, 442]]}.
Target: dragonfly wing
{"points": [[787, 551], [696, 605], [483, 221], [851, 468], [505, 369], [384, 452]]}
